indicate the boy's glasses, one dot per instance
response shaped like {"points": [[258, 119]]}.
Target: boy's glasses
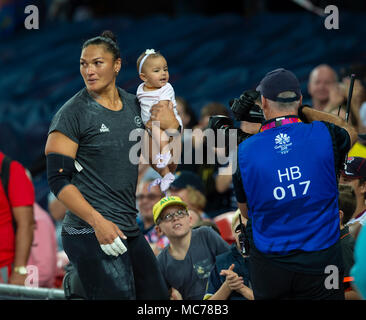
{"points": [[169, 217]]}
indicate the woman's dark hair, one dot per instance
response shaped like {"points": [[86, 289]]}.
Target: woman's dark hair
{"points": [[108, 40]]}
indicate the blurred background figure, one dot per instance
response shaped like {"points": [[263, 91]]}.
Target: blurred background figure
{"points": [[16, 220], [218, 188], [43, 253], [321, 79], [347, 205], [57, 212], [145, 203], [358, 270], [224, 282], [189, 187], [354, 175]]}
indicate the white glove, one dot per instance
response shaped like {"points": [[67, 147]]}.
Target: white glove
{"points": [[115, 248]]}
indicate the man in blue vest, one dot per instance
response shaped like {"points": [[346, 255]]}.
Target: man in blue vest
{"points": [[286, 184]]}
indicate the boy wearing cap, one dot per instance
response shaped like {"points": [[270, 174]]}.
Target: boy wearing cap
{"points": [[187, 261], [354, 174]]}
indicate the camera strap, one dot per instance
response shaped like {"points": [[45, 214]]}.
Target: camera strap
{"points": [[280, 121]]}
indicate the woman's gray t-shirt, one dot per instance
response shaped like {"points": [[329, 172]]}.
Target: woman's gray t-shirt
{"points": [[108, 178]]}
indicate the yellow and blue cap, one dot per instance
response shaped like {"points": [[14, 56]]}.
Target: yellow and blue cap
{"points": [[164, 202]]}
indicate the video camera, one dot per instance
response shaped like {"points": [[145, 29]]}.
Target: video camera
{"points": [[243, 239], [244, 108]]}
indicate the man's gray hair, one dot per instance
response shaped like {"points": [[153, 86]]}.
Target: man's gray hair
{"points": [[285, 105]]}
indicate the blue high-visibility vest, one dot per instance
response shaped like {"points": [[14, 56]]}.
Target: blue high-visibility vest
{"points": [[289, 178]]}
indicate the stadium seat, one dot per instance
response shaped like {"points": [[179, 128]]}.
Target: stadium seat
{"points": [[223, 222]]}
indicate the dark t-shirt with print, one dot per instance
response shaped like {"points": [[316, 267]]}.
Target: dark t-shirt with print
{"points": [[106, 166], [190, 275]]}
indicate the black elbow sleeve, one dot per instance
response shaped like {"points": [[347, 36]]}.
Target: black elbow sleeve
{"points": [[60, 169]]}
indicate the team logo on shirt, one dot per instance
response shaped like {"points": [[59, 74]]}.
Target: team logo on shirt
{"points": [[138, 121], [202, 268], [103, 128], [283, 143]]}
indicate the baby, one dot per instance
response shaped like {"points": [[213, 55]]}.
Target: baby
{"points": [[153, 71]]}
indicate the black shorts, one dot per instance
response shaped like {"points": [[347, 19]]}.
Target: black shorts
{"points": [[132, 275], [272, 281]]}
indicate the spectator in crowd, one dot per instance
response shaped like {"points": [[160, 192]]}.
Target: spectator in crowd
{"points": [[207, 223], [338, 97], [186, 113], [17, 198], [189, 122], [57, 211], [337, 104], [195, 217], [356, 113], [218, 188], [289, 196], [145, 203], [224, 172], [358, 270], [322, 78], [223, 177], [43, 252], [188, 186], [354, 174], [347, 205], [188, 259], [229, 279], [91, 172], [211, 109]]}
